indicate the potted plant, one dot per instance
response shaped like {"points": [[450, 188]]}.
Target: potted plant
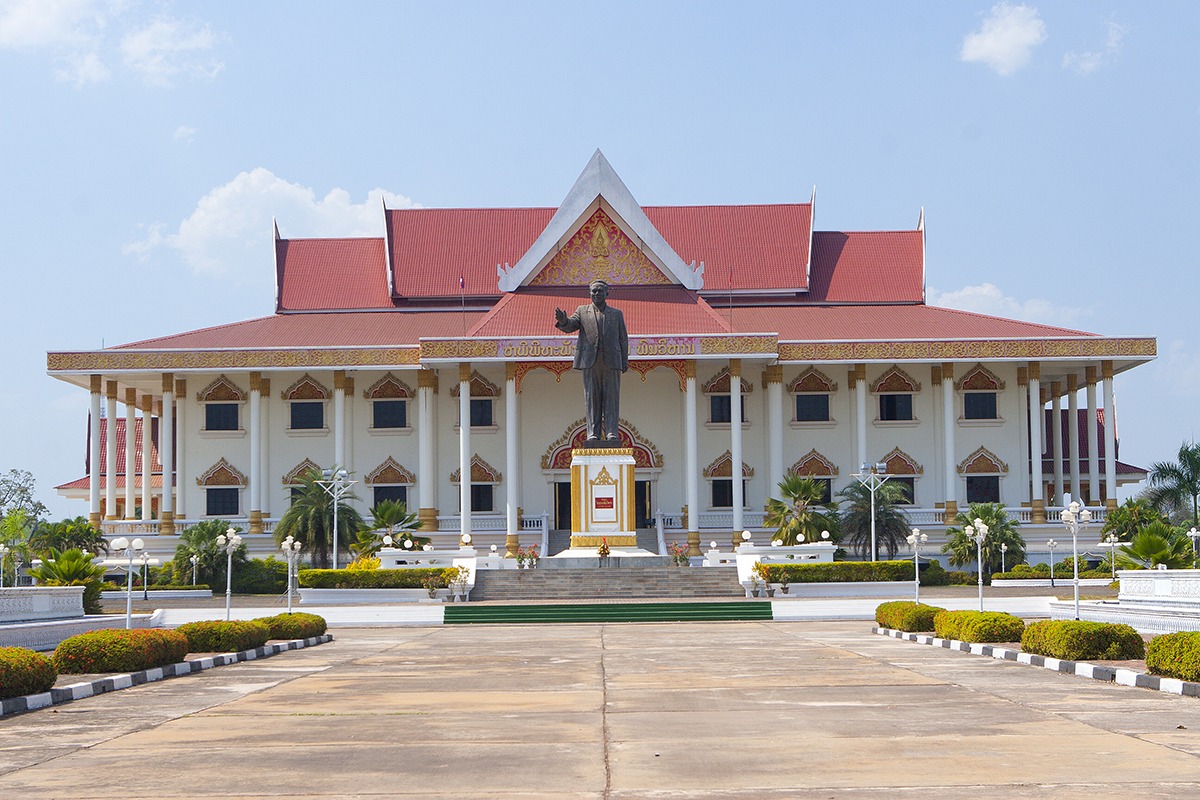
{"points": [[432, 583], [521, 556], [603, 551], [531, 556]]}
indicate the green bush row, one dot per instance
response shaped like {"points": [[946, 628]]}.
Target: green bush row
{"points": [[225, 636], [25, 672], [1175, 655], [413, 578], [120, 650], [978, 626], [905, 615], [294, 626], [839, 572], [1075, 640]]}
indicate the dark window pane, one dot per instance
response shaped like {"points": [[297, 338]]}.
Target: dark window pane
{"points": [[482, 497], [390, 414], [983, 489], [397, 493], [979, 405], [722, 493], [308, 415], [909, 486], [481, 413], [720, 409], [295, 492], [812, 408], [826, 489], [220, 416], [221, 502], [895, 407]]}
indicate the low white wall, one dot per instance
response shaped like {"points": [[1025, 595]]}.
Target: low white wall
{"points": [[32, 603]]}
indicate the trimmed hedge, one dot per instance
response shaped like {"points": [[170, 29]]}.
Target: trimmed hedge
{"points": [[839, 572], [222, 636], [413, 578], [978, 626], [905, 615], [294, 626], [25, 672], [120, 650], [1175, 655], [1074, 640]]}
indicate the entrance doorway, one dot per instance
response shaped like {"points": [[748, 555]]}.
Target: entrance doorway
{"points": [[641, 504], [562, 506]]}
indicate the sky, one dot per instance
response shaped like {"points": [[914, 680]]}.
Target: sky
{"points": [[145, 147]]}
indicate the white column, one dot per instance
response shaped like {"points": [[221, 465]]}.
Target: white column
{"points": [[1056, 439], [110, 450], [1036, 413], [254, 493], [264, 446], [948, 459], [860, 414], [181, 474], [1073, 435], [339, 418], [511, 443], [1023, 430], [166, 451], [427, 477], [1110, 436], [1093, 433], [464, 447], [773, 377], [130, 447], [94, 454], [147, 464], [690, 457], [735, 447]]}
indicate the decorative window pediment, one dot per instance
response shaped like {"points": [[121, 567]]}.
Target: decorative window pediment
{"points": [[481, 472], [722, 467], [480, 387], [982, 462], [812, 380], [980, 378], [389, 387], [221, 474], [719, 384], [901, 463], [813, 465], [307, 388], [645, 453], [895, 380], [390, 472], [293, 476], [222, 390]]}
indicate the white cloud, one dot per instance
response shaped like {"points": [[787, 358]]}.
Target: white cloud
{"points": [[229, 232], [167, 48], [184, 133], [32, 24], [987, 298], [1006, 39], [82, 68], [1090, 61]]}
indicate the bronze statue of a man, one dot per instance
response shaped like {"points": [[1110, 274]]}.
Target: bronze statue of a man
{"points": [[602, 353]]}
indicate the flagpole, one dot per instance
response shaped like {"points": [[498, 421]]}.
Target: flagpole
{"points": [[462, 290]]}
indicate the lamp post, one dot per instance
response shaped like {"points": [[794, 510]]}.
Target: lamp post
{"points": [[745, 537], [978, 532], [1052, 544], [336, 483], [195, 559], [916, 539], [291, 551], [1111, 541], [1003, 551], [129, 550], [4, 554], [229, 542], [1073, 518], [1193, 534], [144, 560], [872, 476]]}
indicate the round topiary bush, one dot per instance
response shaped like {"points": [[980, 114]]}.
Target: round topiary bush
{"points": [[978, 627], [905, 615], [120, 650], [25, 672], [1175, 655], [224, 636], [294, 626], [1076, 639]]}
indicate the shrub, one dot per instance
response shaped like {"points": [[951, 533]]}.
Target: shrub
{"points": [[294, 626], [231, 636], [978, 626], [413, 578], [935, 574], [838, 572], [1175, 655], [120, 650], [959, 578], [25, 672], [260, 576], [1074, 640], [905, 615]]}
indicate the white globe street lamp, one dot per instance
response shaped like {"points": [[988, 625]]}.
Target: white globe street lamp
{"points": [[229, 542], [129, 550], [1052, 544], [1073, 518], [1111, 541], [978, 532], [1003, 552], [916, 539], [195, 559], [1193, 534], [336, 483], [872, 476], [291, 551]]}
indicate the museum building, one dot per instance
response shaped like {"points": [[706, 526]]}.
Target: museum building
{"points": [[758, 347]]}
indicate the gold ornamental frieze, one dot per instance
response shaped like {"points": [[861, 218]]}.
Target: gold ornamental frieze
{"points": [[110, 361], [762, 344], [962, 349]]}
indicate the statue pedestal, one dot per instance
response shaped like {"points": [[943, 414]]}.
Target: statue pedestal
{"points": [[602, 486]]}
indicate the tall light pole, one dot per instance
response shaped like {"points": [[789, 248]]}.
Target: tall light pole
{"points": [[1052, 544], [916, 539], [1193, 533], [1111, 541], [978, 532], [872, 476], [229, 542], [195, 559], [1073, 518], [336, 483], [129, 550], [291, 551], [1003, 552]]}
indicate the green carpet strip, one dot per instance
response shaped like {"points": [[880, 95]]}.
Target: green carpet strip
{"points": [[607, 612]]}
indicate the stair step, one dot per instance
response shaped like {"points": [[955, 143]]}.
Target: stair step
{"points": [[610, 612], [624, 582]]}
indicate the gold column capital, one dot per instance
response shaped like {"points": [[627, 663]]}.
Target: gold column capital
{"points": [[735, 367], [1055, 389], [1022, 376], [427, 379], [339, 380], [168, 382], [180, 387], [265, 385], [947, 370], [348, 384], [510, 370], [256, 382], [1035, 371], [1090, 376], [464, 372], [1106, 370], [935, 373], [110, 390], [859, 373], [147, 405], [1072, 383], [772, 373], [97, 382], [689, 369], [131, 397]]}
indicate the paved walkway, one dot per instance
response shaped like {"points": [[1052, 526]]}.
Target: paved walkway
{"points": [[703, 710]]}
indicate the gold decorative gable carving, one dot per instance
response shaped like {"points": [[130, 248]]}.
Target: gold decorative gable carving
{"points": [[523, 368], [293, 477], [643, 367], [645, 453], [480, 387], [481, 472], [895, 380], [722, 467], [719, 384], [814, 465], [221, 474], [599, 249], [901, 463], [982, 462], [306, 388], [389, 387], [980, 378], [389, 473], [812, 380], [222, 390]]}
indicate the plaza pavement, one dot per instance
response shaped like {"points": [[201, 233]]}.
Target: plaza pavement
{"points": [[683, 710]]}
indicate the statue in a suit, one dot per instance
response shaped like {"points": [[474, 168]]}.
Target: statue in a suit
{"points": [[602, 354]]}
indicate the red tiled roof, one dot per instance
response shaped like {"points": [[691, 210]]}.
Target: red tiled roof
{"points": [[648, 310], [119, 432], [85, 483], [1084, 447], [867, 267], [316, 274]]}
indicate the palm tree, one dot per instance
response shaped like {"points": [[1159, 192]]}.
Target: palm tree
{"points": [[1127, 519], [68, 534], [1002, 530], [803, 514], [200, 540], [1158, 543], [891, 523], [310, 519], [72, 568], [1173, 487], [389, 518]]}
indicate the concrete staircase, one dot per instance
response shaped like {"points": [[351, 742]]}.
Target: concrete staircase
{"points": [[557, 541], [626, 581]]}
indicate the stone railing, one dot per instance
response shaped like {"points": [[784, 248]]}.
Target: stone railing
{"points": [[31, 603]]}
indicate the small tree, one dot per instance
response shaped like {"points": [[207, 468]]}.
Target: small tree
{"points": [[891, 523], [803, 514], [389, 518], [1158, 543], [310, 519], [72, 568], [68, 534], [1174, 487], [1002, 529], [201, 540], [1132, 516]]}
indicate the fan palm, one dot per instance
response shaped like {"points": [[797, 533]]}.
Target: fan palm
{"points": [[200, 540], [1158, 543], [1002, 530], [1129, 518], [1173, 487], [389, 518], [802, 515], [310, 519], [65, 568], [891, 523], [68, 534]]}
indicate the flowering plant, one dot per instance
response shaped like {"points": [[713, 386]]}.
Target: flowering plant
{"points": [[532, 556], [603, 550], [678, 553]]}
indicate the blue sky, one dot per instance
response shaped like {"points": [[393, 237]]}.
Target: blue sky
{"points": [[145, 146]]}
